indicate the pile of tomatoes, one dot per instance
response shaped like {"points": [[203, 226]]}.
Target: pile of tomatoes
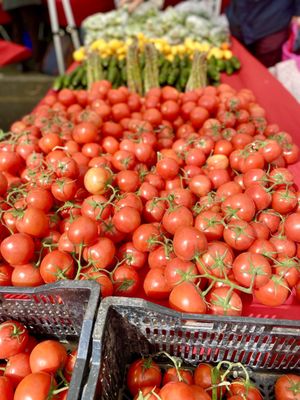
{"points": [[148, 380], [178, 197], [31, 369]]}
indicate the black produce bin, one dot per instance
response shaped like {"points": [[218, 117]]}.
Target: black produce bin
{"points": [[127, 328], [65, 311]]}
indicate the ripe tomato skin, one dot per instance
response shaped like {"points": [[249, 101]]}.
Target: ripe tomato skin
{"points": [[178, 217], [239, 235], [83, 231], [186, 297], [57, 265], [34, 222], [182, 391], [171, 375], [26, 275], [188, 242], [274, 292], [48, 356], [5, 275], [240, 387], [6, 388], [126, 219], [251, 267], [292, 227], [155, 284], [101, 253], [220, 304], [17, 368], [17, 249], [177, 271], [96, 180], [287, 387], [36, 386], [145, 236], [142, 373], [13, 338], [125, 281]]}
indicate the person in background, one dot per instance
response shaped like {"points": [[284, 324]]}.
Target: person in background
{"points": [[263, 26], [26, 17]]}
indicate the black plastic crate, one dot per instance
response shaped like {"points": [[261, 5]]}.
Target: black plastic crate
{"points": [[126, 328], [65, 311]]}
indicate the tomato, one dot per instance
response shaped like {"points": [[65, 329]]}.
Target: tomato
{"points": [[200, 185], [172, 375], [251, 268], [188, 242], [187, 297], [6, 388], [217, 260], [34, 222], [126, 219], [211, 224], [85, 132], [83, 231], [156, 285], [96, 180], [143, 372], [274, 293], [177, 271], [159, 257], [223, 301], [27, 275], [5, 275], [70, 364], [240, 387], [13, 338], [64, 189], [101, 253], [239, 235], [48, 356], [17, 368], [292, 227], [17, 249], [239, 206], [125, 281], [57, 265], [36, 386], [182, 391], [205, 376], [288, 387]]}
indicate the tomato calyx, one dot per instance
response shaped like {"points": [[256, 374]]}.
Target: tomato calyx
{"points": [[294, 386], [16, 332]]}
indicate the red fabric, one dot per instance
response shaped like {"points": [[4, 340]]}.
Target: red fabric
{"points": [[281, 107], [12, 53], [4, 17]]}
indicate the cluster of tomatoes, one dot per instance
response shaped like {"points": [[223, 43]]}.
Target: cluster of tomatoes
{"points": [[178, 197], [147, 380], [31, 369]]}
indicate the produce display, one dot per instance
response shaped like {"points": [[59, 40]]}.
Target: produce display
{"points": [[179, 198], [175, 24], [32, 369], [174, 63], [149, 379]]}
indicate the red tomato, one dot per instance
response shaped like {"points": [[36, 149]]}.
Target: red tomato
{"points": [[251, 268], [48, 356], [187, 297], [288, 387], [240, 387], [188, 242], [36, 386], [17, 368], [142, 373], [156, 285], [221, 303], [17, 249], [6, 388], [274, 293], [125, 281], [13, 338], [57, 265], [292, 227]]}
